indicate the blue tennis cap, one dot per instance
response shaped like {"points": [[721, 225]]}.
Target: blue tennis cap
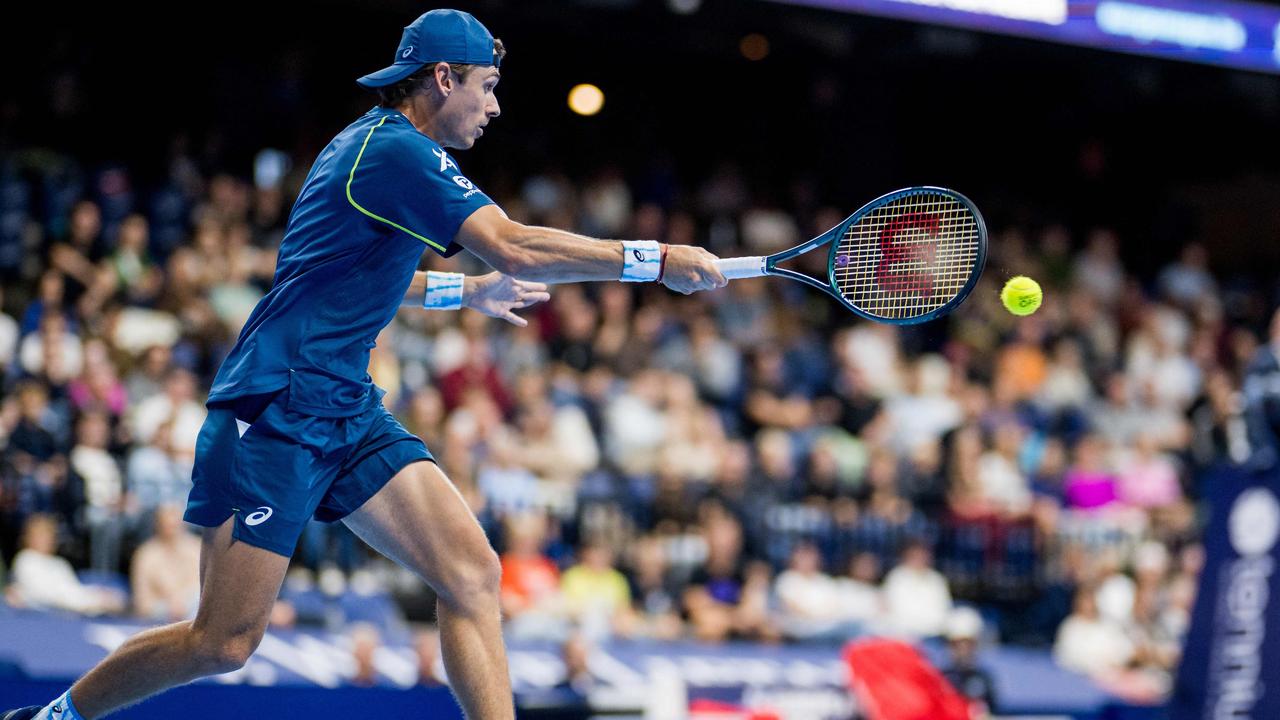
{"points": [[450, 36]]}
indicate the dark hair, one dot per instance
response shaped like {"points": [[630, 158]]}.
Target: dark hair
{"points": [[395, 95]]}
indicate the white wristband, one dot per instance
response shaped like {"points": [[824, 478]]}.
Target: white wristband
{"points": [[444, 291], [641, 260]]}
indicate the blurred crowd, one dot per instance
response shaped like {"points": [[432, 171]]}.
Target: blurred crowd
{"points": [[753, 463]]}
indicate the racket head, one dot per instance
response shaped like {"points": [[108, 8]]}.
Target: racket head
{"points": [[909, 256]]}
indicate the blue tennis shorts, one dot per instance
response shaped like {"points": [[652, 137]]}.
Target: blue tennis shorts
{"points": [[274, 464]]}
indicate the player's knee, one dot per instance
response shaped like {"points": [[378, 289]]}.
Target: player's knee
{"points": [[219, 653], [474, 576]]}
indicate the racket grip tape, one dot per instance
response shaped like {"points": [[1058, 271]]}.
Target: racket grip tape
{"points": [[741, 267]]}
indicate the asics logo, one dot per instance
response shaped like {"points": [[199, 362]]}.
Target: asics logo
{"points": [[258, 517], [406, 52]]}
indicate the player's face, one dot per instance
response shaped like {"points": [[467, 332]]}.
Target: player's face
{"points": [[470, 107]]}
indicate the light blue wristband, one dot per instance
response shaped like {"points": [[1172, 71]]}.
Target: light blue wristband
{"points": [[444, 291], [641, 260]]}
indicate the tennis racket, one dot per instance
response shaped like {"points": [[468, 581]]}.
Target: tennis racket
{"points": [[907, 257]]}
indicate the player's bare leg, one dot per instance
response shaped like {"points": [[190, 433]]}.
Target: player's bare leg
{"points": [[239, 585], [419, 520]]}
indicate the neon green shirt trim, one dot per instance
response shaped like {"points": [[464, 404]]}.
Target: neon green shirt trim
{"points": [[356, 205]]}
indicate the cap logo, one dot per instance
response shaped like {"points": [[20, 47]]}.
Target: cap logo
{"points": [[406, 52]]}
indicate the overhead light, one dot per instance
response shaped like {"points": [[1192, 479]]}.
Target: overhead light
{"points": [[586, 99], [754, 47]]}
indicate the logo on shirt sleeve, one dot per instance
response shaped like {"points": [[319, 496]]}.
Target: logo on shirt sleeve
{"points": [[446, 162], [463, 183]]}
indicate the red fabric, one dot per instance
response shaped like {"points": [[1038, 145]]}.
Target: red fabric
{"points": [[893, 681], [455, 384], [528, 580], [704, 709]]}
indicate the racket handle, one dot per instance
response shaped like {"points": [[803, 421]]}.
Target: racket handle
{"points": [[741, 267]]}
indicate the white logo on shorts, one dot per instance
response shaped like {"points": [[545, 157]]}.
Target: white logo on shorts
{"points": [[258, 517]]}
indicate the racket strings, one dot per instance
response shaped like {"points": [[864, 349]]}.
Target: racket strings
{"points": [[909, 257]]}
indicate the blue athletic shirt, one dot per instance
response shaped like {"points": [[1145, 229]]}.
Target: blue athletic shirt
{"points": [[377, 195]]}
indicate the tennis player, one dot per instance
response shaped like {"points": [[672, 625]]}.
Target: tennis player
{"points": [[296, 429]]}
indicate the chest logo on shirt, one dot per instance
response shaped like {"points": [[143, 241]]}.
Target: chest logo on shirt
{"points": [[446, 162]]}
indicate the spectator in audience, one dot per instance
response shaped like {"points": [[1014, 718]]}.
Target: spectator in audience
{"points": [[726, 596], [426, 415], [426, 646], [1089, 484], [1089, 643], [859, 591], [1098, 270], [166, 570], [8, 339], [636, 424], [104, 490], [98, 388], [595, 592], [572, 695], [1066, 387], [1148, 477], [365, 643], [556, 444], [1118, 416], [927, 410], [1157, 645], [176, 405], [808, 598], [133, 272], [964, 671], [531, 599], [1005, 489], [53, 352], [50, 299], [156, 475], [81, 249], [33, 426], [42, 580], [1188, 280], [148, 374], [916, 594], [655, 597], [507, 483]]}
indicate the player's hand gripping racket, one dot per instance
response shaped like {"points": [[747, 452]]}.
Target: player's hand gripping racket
{"points": [[906, 257]]}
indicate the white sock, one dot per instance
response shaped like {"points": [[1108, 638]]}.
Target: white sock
{"points": [[60, 709]]}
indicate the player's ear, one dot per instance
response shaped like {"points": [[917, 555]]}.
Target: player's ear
{"points": [[443, 79]]}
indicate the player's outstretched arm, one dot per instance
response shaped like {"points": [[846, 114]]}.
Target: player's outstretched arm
{"points": [[494, 294], [554, 256]]}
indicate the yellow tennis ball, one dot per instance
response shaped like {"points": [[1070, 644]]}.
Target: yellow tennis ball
{"points": [[1021, 295]]}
